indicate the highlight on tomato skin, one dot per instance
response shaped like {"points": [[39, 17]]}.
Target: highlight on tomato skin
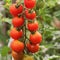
{"points": [[33, 26], [14, 11], [35, 38], [32, 48], [17, 46], [29, 15], [30, 3], [18, 21], [15, 34]]}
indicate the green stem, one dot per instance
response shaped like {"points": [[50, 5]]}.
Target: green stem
{"points": [[25, 32], [18, 3]]}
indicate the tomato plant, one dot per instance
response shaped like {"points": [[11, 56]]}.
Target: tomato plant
{"points": [[42, 16], [20, 25]]}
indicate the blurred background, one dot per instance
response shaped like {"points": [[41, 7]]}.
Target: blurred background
{"points": [[48, 16]]}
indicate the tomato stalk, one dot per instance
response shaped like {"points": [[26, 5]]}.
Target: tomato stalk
{"points": [[18, 1]]}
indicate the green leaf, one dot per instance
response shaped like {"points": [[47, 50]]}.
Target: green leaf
{"points": [[7, 1], [51, 3], [7, 20], [54, 58], [5, 50], [57, 14]]}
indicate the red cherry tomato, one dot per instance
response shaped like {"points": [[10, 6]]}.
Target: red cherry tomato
{"points": [[36, 38], [30, 3], [32, 48], [18, 21], [30, 16], [33, 26], [16, 34], [17, 46], [15, 11]]}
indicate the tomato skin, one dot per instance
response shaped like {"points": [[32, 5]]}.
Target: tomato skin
{"points": [[30, 16], [17, 56], [33, 26], [35, 38], [32, 48], [18, 21], [16, 34], [30, 3], [17, 46], [15, 11]]}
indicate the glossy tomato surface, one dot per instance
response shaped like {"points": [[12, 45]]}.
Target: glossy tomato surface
{"points": [[32, 48], [18, 21], [17, 46], [30, 3], [35, 38], [16, 34]]}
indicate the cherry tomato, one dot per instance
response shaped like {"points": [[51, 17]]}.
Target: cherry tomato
{"points": [[17, 56], [17, 46], [16, 34], [18, 21], [35, 38], [32, 48], [15, 11], [33, 26], [30, 3], [30, 16]]}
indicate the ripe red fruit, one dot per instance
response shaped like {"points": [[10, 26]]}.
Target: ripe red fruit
{"points": [[32, 26], [16, 34], [30, 3], [18, 21], [35, 38], [17, 56], [17, 46], [32, 48], [30, 15], [15, 11]]}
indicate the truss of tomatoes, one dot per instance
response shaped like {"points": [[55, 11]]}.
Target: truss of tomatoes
{"points": [[20, 15]]}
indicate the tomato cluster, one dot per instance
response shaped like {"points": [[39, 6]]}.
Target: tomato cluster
{"points": [[20, 15]]}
